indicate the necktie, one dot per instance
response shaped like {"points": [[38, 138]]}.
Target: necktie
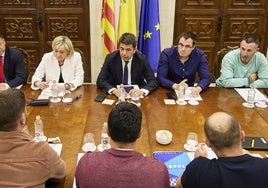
{"points": [[2, 76], [125, 76]]}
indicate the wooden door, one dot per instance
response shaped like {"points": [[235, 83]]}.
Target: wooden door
{"points": [[220, 23], [33, 24]]}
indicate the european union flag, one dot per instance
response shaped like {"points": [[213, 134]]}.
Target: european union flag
{"points": [[149, 32]]}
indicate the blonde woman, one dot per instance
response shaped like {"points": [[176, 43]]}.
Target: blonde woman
{"points": [[63, 64]]}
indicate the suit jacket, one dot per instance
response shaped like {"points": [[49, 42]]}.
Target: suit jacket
{"points": [[72, 70], [14, 67], [112, 72]]}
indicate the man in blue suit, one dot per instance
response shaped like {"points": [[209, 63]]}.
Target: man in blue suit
{"points": [[138, 70], [12, 66]]}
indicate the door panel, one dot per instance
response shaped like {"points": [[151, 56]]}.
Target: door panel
{"points": [[221, 23], [33, 24]]}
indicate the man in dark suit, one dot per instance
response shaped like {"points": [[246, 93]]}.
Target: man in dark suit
{"points": [[13, 73], [127, 61]]}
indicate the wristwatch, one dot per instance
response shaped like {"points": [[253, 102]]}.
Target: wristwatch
{"points": [[67, 86]]}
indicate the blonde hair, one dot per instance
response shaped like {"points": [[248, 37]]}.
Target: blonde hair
{"points": [[63, 41]]}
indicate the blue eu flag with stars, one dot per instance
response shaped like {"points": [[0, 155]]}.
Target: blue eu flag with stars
{"points": [[149, 32]]}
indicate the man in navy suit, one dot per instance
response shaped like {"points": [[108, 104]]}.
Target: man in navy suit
{"points": [[139, 71], [13, 73]]}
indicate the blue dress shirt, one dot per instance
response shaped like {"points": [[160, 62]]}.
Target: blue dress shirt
{"points": [[171, 70]]}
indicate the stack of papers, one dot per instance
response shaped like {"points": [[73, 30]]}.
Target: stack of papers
{"points": [[57, 148], [243, 92]]}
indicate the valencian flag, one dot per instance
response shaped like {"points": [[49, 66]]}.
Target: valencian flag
{"points": [[149, 32], [127, 17], [108, 26]]}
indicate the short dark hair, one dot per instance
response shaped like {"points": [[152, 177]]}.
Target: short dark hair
{"points": [[187, 35], [1, 36], [128, 38], [222, 133], [12, 105], [124, 122], [250, 38]]}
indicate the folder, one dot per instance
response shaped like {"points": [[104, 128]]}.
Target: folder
{"points": [[175, 161], [255, 143]]}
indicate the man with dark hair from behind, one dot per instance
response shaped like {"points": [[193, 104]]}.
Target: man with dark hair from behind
{"points": [[121, 166], [234, 167], [24, 163]]}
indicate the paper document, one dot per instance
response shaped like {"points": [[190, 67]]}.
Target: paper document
{"points": [[243, 92], [48, 91], [108, 101], [128, 88], [78, 158], [57, 148], [188, 95], [169, 101]]}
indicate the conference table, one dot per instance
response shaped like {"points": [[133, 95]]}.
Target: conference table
{"points": [[71, 121]]}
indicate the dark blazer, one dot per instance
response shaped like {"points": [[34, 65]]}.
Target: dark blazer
{"points": [[111, 72], [14, 67]]}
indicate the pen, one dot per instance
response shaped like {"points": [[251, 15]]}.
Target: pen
{"points": [[252, 143]]}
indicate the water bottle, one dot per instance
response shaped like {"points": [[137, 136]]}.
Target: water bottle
{"points": [[122, 97], [55, 90], [38, 127], [104, 137]]}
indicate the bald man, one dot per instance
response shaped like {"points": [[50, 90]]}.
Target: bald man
{"points": [[233, 168]]}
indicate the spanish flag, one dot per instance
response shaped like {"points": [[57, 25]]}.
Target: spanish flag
{"points": [[108, 26], [127, 17]]}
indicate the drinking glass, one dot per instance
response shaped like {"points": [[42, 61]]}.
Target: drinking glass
{"points": [[191, 141], [180, 92], [251, 96], [55, 92], [89, 142], [194, 94], [67, 97], [135, 99]]}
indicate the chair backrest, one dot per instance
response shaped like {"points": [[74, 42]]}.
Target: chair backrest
{"points": [[81, 53], [26, 59], [218, 59]]}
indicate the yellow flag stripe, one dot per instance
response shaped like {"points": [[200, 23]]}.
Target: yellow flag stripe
{"points": [[127, 17]]}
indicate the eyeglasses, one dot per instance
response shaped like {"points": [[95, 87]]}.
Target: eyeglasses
{"points": [[187, 47]]}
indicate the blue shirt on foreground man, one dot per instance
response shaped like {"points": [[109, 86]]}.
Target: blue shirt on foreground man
{"points": [[234, 166], [179, 64]]}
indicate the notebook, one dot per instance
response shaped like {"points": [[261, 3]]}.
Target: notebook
{"points": [[176, 162], [255, 143]]}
